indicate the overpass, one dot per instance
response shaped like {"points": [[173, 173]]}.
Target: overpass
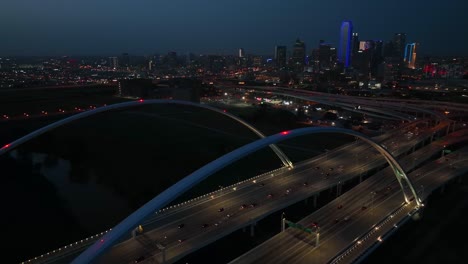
{"points": [[326, 185], [344, 158]]}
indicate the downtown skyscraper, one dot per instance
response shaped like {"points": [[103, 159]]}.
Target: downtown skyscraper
{"points": [[344, 49]]}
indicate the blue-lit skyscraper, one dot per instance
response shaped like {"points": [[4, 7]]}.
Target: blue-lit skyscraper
{"points": [[410, 55], [344, 50]]}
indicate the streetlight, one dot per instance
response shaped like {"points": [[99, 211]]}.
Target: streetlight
{"points": [[283, 221]]}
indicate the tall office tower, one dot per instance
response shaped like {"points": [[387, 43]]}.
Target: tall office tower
{"points": [[280, 56], [378, 48], [344, 50], [298, 57], [315, 59], [171, 59], [241, 53], [399, 41], [327, 55], [388, 49], [410, 55], [113, 62], [355, 46], [125, 60]]}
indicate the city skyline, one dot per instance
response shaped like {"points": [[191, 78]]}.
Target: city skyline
{"points": [[87, 28]]}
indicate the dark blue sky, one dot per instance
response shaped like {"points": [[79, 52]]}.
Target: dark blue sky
{"points": [[93, 27]]}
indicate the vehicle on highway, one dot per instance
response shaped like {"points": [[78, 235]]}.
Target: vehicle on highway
{"points": [[262, 184], [288, 191], [340, 206], [205, 225], [317, 168], [181, 240], [243, 206], [180, 226], [305, 184], [252, 205], [363, 207], [221, 209], [270, 195], [346, 219]]}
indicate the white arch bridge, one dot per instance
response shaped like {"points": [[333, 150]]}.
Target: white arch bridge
{"points": [[132, 221]]}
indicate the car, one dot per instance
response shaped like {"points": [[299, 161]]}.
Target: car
{"points": [[242, 206], [363, 207], [262, 184], [305, 184], [139, 259], [317, 168], [270, 195], [205, 225], [181, 226], [181, 240], [330, 169], [314, 224], [346, 219], [340, 206], [337, 220], [288, 191], [221, 209], [252, 205]]}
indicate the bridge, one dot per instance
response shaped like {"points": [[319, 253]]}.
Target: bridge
{"points": [[163, 221]]}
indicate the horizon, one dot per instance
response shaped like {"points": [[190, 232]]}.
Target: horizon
{"points": [[55, 28]]}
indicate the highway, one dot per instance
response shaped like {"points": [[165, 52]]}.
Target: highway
{"points": [[206, 211], [338, 235], [285, 186]]}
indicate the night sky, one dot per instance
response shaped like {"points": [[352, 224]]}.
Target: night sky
{"points": [[104, 27]]}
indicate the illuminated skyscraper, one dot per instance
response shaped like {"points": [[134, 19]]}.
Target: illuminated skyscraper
{"points": [[241, 53], [399, 41], [355, 41], [298, 57], [410, 55], [113, 62], [280, 56], [344, 50]]}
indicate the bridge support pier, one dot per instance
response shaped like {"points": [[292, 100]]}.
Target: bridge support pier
{"points": [[315, 201], [339, 187], [252, 229]]}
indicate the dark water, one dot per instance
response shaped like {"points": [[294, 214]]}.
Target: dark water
{"points": [[85, 177]]}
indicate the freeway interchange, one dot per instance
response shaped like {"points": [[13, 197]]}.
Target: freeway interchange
{"points": [[182, 229]]}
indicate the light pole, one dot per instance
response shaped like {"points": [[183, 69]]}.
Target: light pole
{"points": [[283, 221]]}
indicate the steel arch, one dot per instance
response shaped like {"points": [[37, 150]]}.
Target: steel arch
{"points": [[157, 203], [118, 106]]}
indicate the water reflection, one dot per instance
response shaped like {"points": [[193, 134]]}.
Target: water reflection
{"points": [[93, 205]]}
